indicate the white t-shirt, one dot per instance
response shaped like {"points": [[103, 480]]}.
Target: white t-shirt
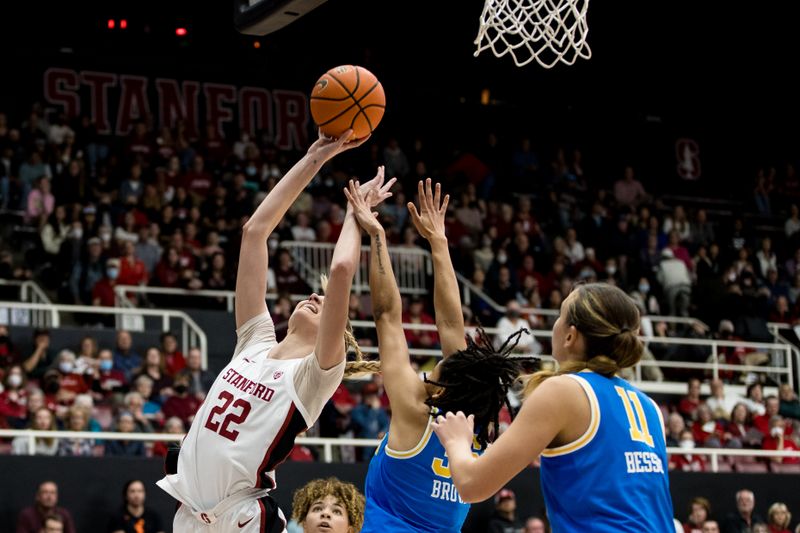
{"points": [[249, 419]]}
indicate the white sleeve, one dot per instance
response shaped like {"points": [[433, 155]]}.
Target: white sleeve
{"points": [[258, 329], [315, 386]]}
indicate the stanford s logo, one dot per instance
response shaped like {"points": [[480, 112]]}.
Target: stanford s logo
{"points": [[277, 375], [205, 518]]}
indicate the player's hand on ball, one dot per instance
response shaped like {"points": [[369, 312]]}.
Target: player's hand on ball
{"points": [[429, 220], [327, 147], [453, 429]]}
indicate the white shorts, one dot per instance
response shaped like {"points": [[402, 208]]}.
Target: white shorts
{"points": [[252, 516]]}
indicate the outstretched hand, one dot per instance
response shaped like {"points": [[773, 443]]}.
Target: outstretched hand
{"points": [[454, 429], [361, 203], [327, 147], [429, 220], [376, 184]]}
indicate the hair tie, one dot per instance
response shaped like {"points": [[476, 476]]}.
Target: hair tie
{"points": [[624, 330]]}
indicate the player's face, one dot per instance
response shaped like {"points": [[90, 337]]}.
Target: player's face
{"points": [[561, 330], [326, 515], [306, 315]]}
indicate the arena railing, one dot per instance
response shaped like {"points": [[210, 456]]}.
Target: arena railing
{"points": [[120, 292], [328, 444], [29, 291], [192, 334], [715, 367], [411, 266]]}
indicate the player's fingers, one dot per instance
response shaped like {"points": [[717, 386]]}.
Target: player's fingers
{"points": [[445, 203], [437, 198], [421, 194], [358, 142], [428, 193], [388, 185], [412, 210]]}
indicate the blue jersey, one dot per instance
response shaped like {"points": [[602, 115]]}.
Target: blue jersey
{"points": [[412, 490], [614, 477]]}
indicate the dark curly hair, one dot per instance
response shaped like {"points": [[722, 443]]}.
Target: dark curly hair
{"points": [[476, 380], [346, 493]]}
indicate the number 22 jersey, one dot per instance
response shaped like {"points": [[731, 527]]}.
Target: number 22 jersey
{"points": [[249, 420]]}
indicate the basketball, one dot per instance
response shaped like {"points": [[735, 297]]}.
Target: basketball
{"points": [[347, 97]]}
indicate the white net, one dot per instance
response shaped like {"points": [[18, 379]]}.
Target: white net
{"points": [[549, 31]]}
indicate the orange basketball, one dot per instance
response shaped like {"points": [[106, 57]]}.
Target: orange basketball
{"points": [[347, 97]]}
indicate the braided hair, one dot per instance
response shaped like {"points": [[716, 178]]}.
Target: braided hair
{"points": [[476, 380]]}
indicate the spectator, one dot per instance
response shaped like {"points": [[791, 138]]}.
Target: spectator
{"points": [[107, 379], [151, 410], [70, 382], [286, 277], [740, 431], [766, 258], [31, 519], [629, 192], [41, 358], [14, 398], [200, 381], [125, 448], [504, 519], [126, 358], [168, 271], [134, 404], [764, 422], [679, 223], [103, 293], [789, 405], [132, 270], [511, 323], [134, 516], [689, 403], [181, 404], [777, 439], [9, 355], [86, 361], [743, 519], [673, 275], [720, 403], [675, 427], [147, 248], [173, 426], [779, 518], [43, 420], [792, 224], [154, 368], [87, 272], [370, 419], [686, 461], [710, 526], [54, 232], [755, 399], [707, 432], [420, 338], [77, 420], [699, 511], [174, 361], [702, 231], [534, 525], [40, 203]]}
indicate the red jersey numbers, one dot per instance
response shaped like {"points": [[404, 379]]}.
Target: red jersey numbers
{"points": [[237, 414]]}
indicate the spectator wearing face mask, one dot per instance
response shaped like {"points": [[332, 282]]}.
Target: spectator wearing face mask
{"points": [[107, 379], [14, 398], [182, 404], [70, 383], [777, 440], [686, 461], [103, 291]]}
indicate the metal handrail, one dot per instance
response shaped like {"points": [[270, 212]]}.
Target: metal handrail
{"points": [[329, 443], [30, 291], [195, 335], [230, 296]]}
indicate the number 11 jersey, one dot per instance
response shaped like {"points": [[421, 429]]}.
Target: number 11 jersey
{"points": [[249, 420]]}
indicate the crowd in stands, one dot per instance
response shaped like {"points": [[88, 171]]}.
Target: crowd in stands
{"points": [[159, 208]]}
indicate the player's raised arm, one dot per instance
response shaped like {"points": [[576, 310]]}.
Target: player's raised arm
{"points": [[404, 388], [251, 276], [429, 221], [330, 349]]}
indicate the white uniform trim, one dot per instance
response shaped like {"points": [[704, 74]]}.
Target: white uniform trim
{"points": [[408, 454], [591, 431]]}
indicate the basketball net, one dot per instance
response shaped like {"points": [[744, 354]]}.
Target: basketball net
{"points": [[549, 31]]}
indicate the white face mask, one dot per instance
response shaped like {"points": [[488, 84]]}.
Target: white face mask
{"points": [[776, 432], [686, 444], [65, 367], [709, 426], [14, 380]]}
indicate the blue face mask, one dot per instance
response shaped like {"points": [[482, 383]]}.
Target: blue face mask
{"points": [[112, 273], [644, 288], [251, 171], [106, 365]]}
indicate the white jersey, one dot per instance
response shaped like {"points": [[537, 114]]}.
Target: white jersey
{"points": [[249, 420]]}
